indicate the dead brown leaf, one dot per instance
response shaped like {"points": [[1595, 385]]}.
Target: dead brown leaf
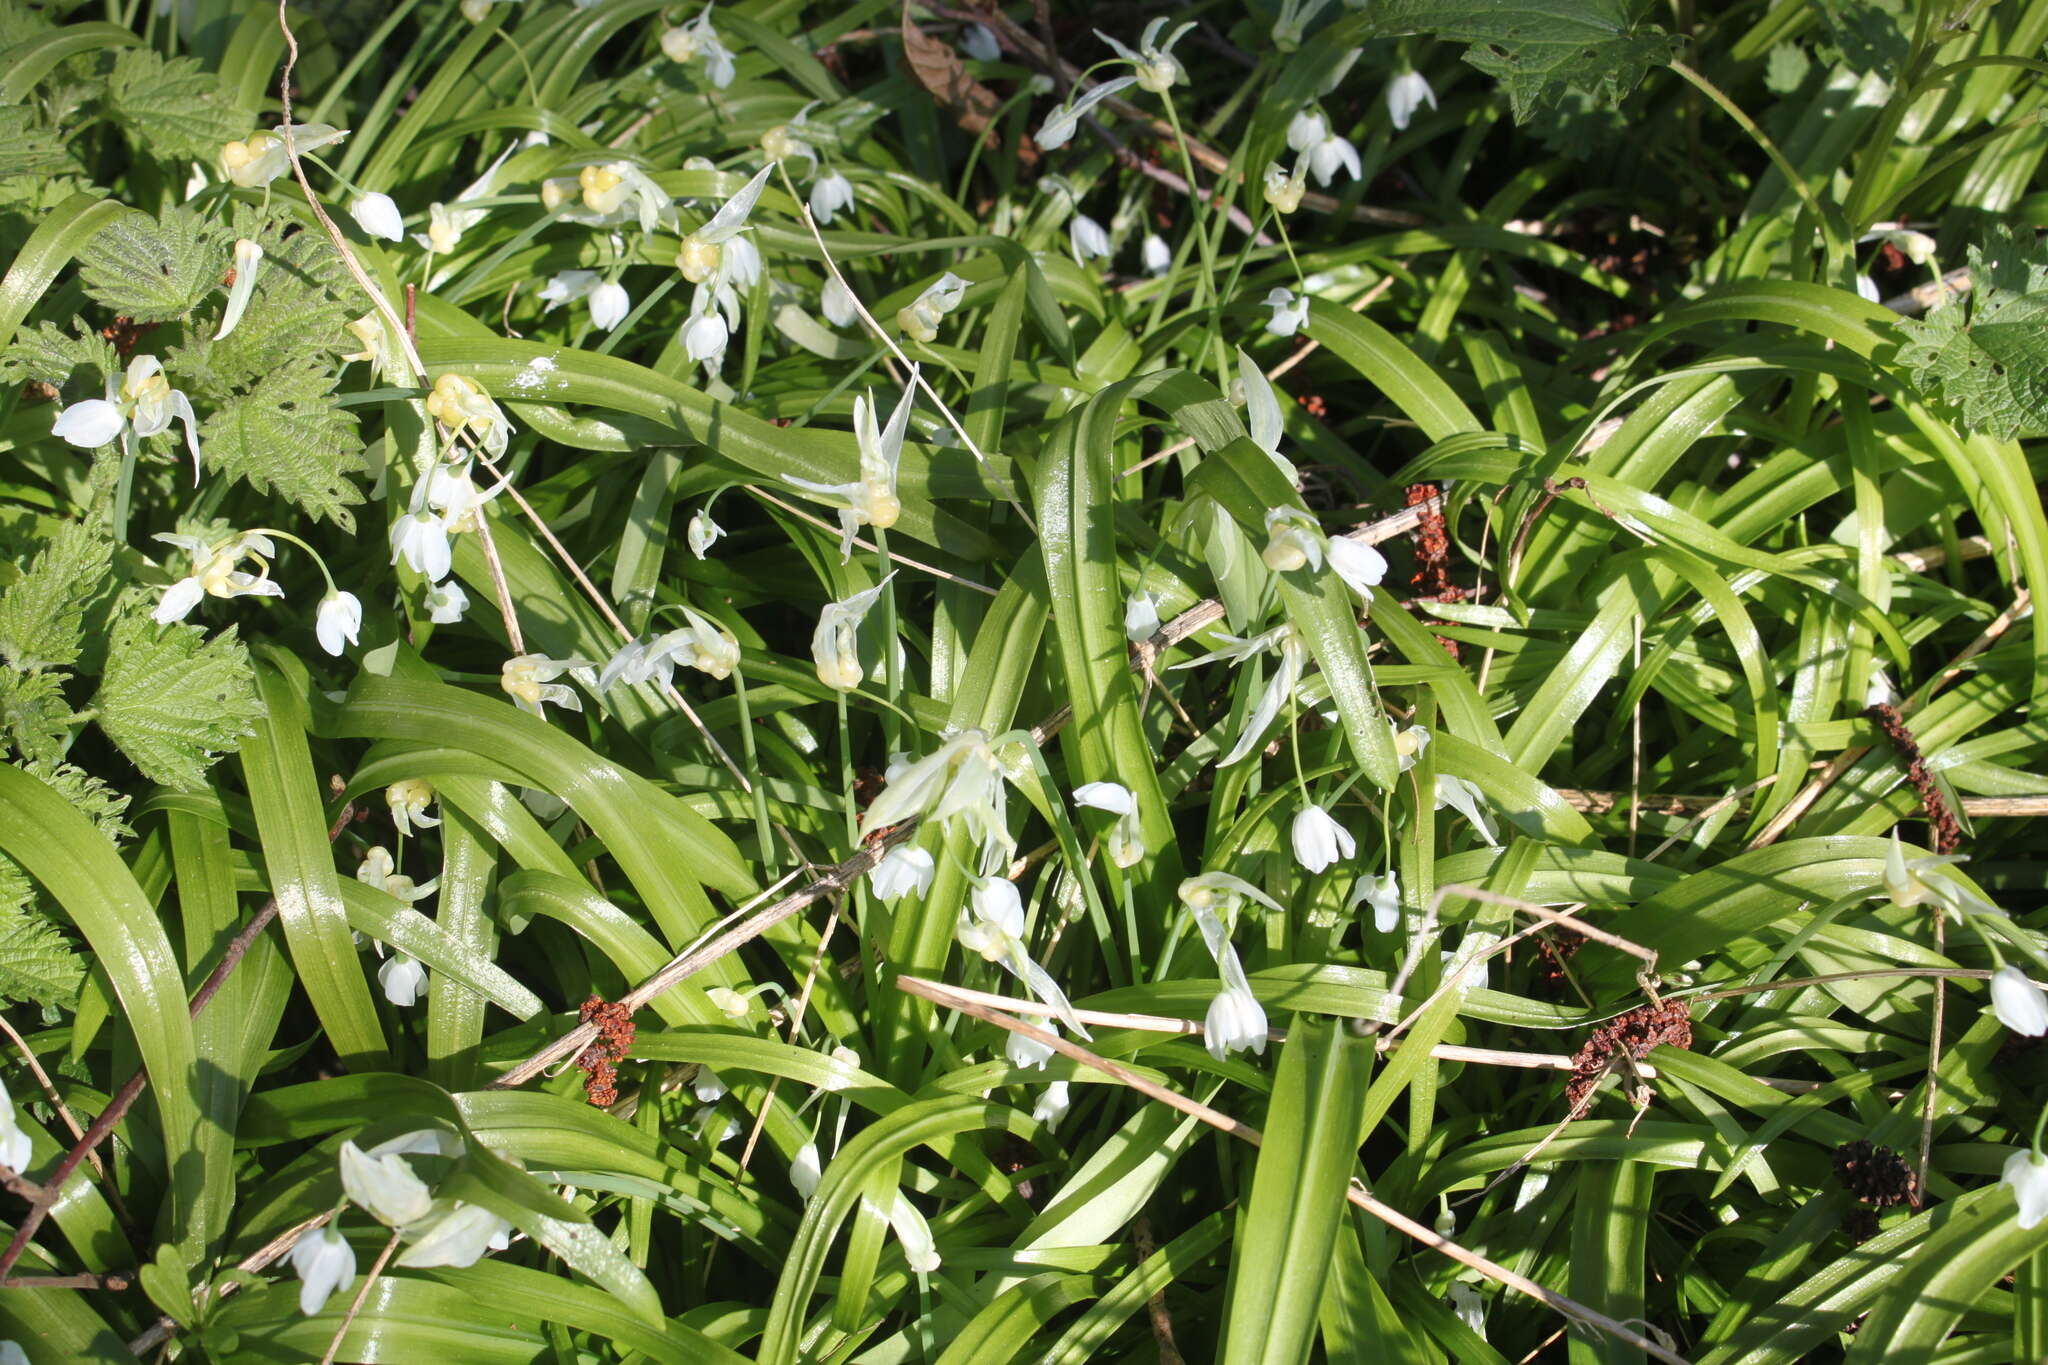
{"points": [[938, 69]]}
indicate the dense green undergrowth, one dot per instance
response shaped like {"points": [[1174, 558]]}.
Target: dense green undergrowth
{"points": [[605, 606]]}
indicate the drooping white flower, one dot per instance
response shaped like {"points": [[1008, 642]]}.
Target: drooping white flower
{"points": [[609, 304], [1406, 93], [260, 158], [1052, 1105], [1866, 288], [1469, 1307], [2027, 1173], [384, 1186], [529, 679], [445, 602], [806, 1170], [248, 260], [1327, 153], [144, 405], [1214, 897], [704, 339], [1060, 124], [338, 621], [460, 404], [1465, 798], [1319, 840], [835, 300], [408, 800], [17, 1148], [1141, 617], [422, 539], [1282, 639], [830, 193], [214, 572], [1293, 541], [377, 215], [960, 780], [919, 1251], [618, 192], [1383, 894], [2018, 1002], [325, 1262], [1409, 744], [1358, 564], [456, 1234], [1910, 882], [703, 254], [919, 319], [978, 43], [992, 925], [1027, 1054], [1157, 68], [565, 286], [1879, 691], [1113, 797], [872, 500], [402, 978], [1127, 836], [1235, 1020], [835, 644], [379, 869], [443, 232], [790, 141], [1155, 255], [703, 532], [698, 39], [1087, 237], [1283, 188], [903, 871], [702, 644], [1290, 314]]}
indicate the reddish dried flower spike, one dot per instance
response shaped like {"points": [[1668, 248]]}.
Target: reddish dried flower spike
{"points": [[1636, 1032]]}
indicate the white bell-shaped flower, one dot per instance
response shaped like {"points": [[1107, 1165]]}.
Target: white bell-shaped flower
{"points": [[1052, 1105], [978, 43], [702, 256], [919, 319], [697, 39], [705, 337], [1912, 881], [1358, 564], [408, 800], [609, 304], [1154, 61], [143, 405], [1406, 93], [445, 602], [403, 978], [1319, 841], [456, 1234], [835, 644], [325, 1263], [1465, 798], [2027, 1173], [835, 301], [384, 1186], [872, 500], [421, 539], [215, 572], [1327, 153], [1088, 238], [830, 193], [1060, 124], [1235, 1020], [1383, 894], [1155, 255], [806, 1170], [248, 260], [529, 679], [1028, 1054], [1290, 314], [1293, 541], [338, 621], [1141, 617], [2018, 1002], [378, 216], [903, 871], [17, 1148], [703, 532]]}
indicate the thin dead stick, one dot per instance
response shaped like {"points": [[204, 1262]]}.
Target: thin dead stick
{"points": [[1356, 1193], [1674, 803], [1933, 1057], [115, 1281], [1937, 973], [1545, 913], [796, 1029], [131, 1089], [355, 1305], [866, 544], [165, 1327], [513, 635]]}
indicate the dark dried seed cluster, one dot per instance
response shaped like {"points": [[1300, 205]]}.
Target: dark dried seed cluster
{"points": [[1634, 1033], [1945, 830], [1876, 1175], [600, 1061]]}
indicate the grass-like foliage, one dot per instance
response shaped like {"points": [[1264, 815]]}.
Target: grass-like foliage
{"points": [[1263, 682]]}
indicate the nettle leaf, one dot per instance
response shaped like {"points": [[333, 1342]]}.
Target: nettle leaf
{"points": [[298, 314], [1987, 353], [94, 799], [172, 700], [1871, 35], [155, 269], [26, 149], [41, 613], [1538, 49], [171, 106], [35, 715], [288, 434], [36, 961], [50, 355]]}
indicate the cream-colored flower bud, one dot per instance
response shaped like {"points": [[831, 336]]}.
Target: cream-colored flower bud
{"points": [[698, 259]]}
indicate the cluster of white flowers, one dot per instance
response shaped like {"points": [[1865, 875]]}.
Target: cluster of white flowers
{"points": [[720, 260], [1235, 1019]]}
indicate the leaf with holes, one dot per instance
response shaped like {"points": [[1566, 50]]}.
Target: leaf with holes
{"points": [[172, 700], [288, 435], [1989, 355], [154, 269]]}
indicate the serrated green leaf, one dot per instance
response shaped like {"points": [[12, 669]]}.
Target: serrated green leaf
{"points": [[93, 798], [35, 714], [289, 436], [154, 269], [1989, 355], [170, 106], [26, 149], [172, 700], [1538, 49], [41, 614], [51, 355], [297, 316], [1872, 35]]}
